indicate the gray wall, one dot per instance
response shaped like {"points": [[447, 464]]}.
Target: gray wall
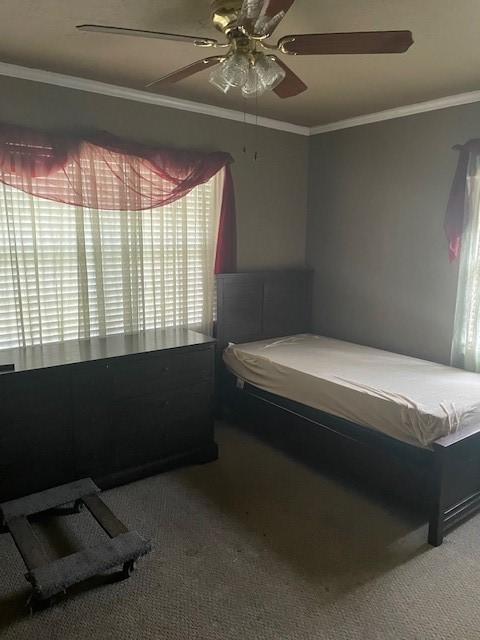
{"points": [[377, 197], [375, 235], [271, 192]]}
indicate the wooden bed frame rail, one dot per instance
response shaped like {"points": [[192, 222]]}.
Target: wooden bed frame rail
{"points": [[443, 482]]}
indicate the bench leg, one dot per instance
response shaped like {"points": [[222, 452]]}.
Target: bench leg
{"points": [[128, 569], [78, 506], [35, 604]]}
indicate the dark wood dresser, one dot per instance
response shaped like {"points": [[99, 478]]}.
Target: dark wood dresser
{"points": [[115, 409]]}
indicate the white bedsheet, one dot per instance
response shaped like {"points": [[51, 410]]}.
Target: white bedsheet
{"points": [[409, 399]]}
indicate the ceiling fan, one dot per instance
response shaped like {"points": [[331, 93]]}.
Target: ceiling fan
{"points": [[250, 62]]}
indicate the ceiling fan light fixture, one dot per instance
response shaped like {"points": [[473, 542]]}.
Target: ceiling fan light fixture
{"points": [[269, 72], [264, 75], [232, 72], [218, 80], [235, 67], [253, 87], [254, 73]]}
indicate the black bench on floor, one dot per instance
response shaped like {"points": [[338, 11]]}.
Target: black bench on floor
{"points": [[50, 578]]}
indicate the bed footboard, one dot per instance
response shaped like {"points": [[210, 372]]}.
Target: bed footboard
{"points": [[455, 490]]}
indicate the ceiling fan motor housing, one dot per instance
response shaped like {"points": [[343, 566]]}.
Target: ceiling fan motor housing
{"points": [[225, 14]]}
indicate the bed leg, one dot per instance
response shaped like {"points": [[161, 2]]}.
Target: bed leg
{"points": [[435, 529], [436, 523]]}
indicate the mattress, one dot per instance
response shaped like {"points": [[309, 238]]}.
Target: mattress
{"points": [[406, 398]]}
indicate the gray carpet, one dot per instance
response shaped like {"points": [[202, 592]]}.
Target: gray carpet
{"points": [[256, 546]]}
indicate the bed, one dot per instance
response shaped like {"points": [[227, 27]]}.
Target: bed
{"points": [[406, 427]]}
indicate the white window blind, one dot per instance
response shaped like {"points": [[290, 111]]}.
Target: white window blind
{"points": [[69, 272]]}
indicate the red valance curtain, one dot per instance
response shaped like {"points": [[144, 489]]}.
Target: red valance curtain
{"points": [[456, 216], [31, 161]]}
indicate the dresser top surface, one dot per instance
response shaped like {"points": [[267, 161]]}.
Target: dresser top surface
{"points": [[58, 354]]}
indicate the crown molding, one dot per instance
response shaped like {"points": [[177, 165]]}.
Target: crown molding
{"points": [[116, 91], [399, 112]]}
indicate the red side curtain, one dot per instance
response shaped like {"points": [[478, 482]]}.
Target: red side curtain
{"points": [[456, 216], [226, 256], [139, 177]]}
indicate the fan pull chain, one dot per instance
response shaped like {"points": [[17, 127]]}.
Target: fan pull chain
{"points": [[244, 126], [255, 153]]}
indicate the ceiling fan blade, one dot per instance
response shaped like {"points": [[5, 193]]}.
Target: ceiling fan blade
{"points": [[291, 85], [346, 43], [249, 13], [186, 72], [141, 33], [269, 16], [272, 7]]}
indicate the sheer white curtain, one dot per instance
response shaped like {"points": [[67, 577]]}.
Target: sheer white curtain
{"points": [[70, 272], [466, 338]]}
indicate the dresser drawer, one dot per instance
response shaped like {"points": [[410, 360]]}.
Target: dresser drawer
{"points": [[35, 454], [35, 437], [156, 426], [93, 429], [153, 373], [32, 396]]}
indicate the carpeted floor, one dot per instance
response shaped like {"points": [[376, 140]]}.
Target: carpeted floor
{"points": [[256, 546]]}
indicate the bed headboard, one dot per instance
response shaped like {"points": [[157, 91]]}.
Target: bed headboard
{"points": [[262, 304]]}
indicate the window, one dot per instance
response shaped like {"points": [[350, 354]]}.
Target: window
{"points": [[70, 272]]}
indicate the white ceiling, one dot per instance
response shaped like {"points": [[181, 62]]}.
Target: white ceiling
{"points": [[443, 61]]}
